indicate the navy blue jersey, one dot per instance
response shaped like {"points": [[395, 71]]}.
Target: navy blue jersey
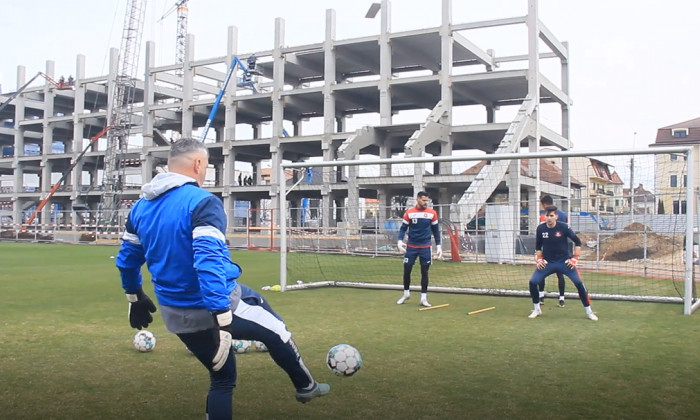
{"points": [[552, 241], [420, 223]]}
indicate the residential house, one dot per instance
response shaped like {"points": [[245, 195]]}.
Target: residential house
{"points": [[640, 200], [671, 170]]}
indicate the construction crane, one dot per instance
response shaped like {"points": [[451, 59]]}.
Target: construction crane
{"points": [[246, 81], [60, 85], [121, 110], [182, 14]]}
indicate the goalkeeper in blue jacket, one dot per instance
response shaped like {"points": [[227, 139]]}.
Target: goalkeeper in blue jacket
{"points": [[177, 229], [420, 222], [553, 256]]}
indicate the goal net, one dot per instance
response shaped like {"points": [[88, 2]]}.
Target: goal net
{"points": [[634, 212]]}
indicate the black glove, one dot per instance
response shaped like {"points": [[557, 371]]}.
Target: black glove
{"points": [[140, 309], [224, 320]]}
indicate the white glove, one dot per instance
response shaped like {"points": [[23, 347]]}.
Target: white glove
{"points": [[438, 253], [401, 246], [223, 320]]}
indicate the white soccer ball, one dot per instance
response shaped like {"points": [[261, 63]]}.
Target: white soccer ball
{"points": [[241, 346], [260, 346], [344, 360], [144, 341]]}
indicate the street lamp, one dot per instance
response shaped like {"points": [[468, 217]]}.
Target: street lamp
{"points": [[373, 10]]}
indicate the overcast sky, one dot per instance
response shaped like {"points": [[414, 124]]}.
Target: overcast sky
{"points": [[633, 65]]}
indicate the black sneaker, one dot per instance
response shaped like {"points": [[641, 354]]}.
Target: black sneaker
{"points": [[561, 303]]}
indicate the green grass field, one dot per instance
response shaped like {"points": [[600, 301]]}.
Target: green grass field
{"points": [[66, 352]]}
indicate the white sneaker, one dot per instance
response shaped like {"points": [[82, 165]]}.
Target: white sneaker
{"points": [[535, 313], [402, 300], [425, 303], [592, 316]]}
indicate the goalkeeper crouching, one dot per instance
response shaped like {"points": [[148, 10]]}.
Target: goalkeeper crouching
{"points": [[177, 230], [553, 257]]}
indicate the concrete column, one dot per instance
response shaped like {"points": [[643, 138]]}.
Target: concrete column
{"points": [[78, 108], [329, 117], [229, 150], [149, 88], [49, 94], [385, 65], [76, 145], [187, 79], [533, 86], [17, 165], [276, 155], [565, 119], [45, 186], [445, 74]]}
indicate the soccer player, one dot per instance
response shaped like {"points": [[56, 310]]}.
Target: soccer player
{"points": [[553, 257], [420, 221], [177, 229], [545, 202]]}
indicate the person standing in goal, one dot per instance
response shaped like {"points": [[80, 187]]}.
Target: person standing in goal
{"points": [[553, 256], [545, 202], [420, 221]]}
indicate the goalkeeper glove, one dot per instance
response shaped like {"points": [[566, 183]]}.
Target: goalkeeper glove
{"points": [[401, 246], [438, 252], [140, 309], [572, 262], [224, 320], [541, 263]]}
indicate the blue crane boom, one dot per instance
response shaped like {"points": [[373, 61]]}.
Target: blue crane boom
{"points": [[247, 71]]}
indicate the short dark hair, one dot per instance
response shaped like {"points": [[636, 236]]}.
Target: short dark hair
{"points": [[546, 200], [550, 209], [422, 194], [186, 145]]}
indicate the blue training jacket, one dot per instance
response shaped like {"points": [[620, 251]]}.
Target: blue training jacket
{"points": [[177, 229]]}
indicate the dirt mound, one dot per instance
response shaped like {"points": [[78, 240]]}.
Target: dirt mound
{"points": [[11, 234], [88, 237], [637, 227], [630, 244]]}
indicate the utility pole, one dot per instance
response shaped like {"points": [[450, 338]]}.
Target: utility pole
{"points": [[634, 143]]}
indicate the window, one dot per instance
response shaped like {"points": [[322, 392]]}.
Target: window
{"points": [[685, 180], [674, 180], [679, 207], [674, 156], [679, 132]]}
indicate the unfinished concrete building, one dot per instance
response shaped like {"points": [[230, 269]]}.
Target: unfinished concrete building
{"points": [[437, 70]]}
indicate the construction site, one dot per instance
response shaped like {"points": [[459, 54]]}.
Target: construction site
{"points": [[89, 143]]}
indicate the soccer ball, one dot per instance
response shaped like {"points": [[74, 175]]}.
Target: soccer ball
{"points": [[344, 360], [241, 346], [260, 346], [144, 341]]}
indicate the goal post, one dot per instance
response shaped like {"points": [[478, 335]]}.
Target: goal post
{"points": [[637, 221]]}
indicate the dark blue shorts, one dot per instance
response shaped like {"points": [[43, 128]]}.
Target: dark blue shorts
{"points": [[413, 253]]}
